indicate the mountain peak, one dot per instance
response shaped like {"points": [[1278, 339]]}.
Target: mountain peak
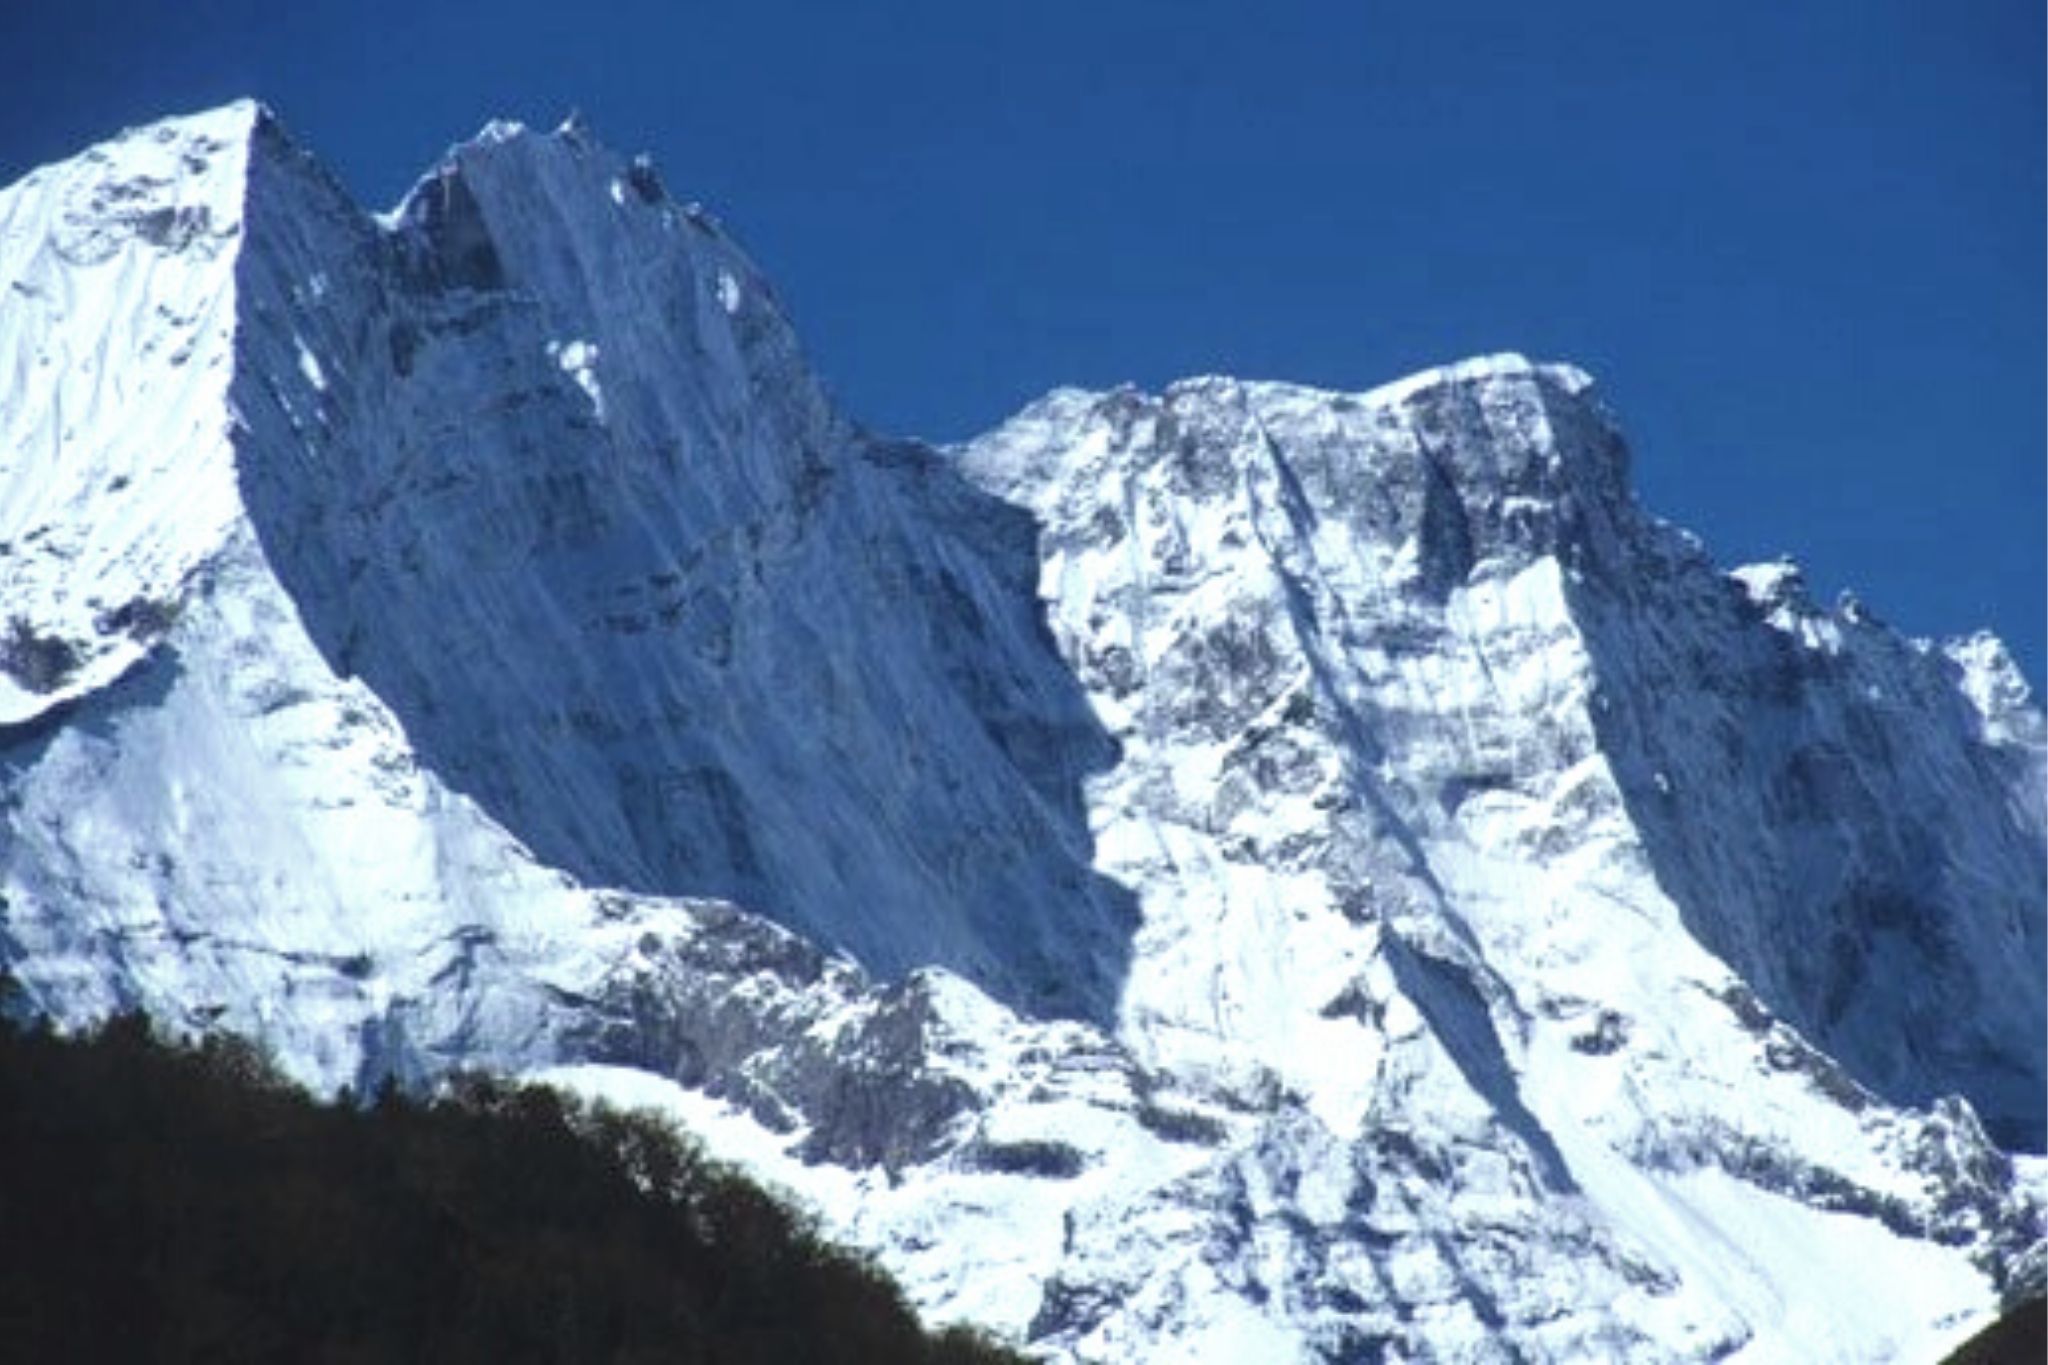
{"points": [[1245, 871], [1483, 464], [118, 319]]}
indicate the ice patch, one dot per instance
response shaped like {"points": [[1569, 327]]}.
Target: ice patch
{"points": [[1768, 585], [1506, 365], [578, 360], [499, 130], [309, 365]]}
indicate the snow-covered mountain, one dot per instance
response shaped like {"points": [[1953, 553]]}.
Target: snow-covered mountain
{"points": [[1244, 873]]}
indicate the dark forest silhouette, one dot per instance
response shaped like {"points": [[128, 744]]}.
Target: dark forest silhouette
{"points": [[171, 1203]]}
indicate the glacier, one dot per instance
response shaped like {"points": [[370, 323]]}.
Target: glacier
{"points": [[1237, 873]]}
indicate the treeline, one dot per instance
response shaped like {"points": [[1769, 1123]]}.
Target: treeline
{"points": [[163, 1203]]}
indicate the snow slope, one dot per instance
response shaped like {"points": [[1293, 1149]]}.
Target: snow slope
{"points": [[1239, 873]]}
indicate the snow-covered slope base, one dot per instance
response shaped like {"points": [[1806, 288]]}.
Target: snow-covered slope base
{"points": [[1245, 873]]}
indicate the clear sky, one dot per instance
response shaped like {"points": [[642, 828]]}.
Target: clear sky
{"points": [[1800, 243]]}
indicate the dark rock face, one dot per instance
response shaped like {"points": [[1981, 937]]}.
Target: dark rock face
{"points": [[1835, 820], [39, 662], [671, 634]]}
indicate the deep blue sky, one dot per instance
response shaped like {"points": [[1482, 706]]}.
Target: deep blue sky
{"points": [[1801, 243]]}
